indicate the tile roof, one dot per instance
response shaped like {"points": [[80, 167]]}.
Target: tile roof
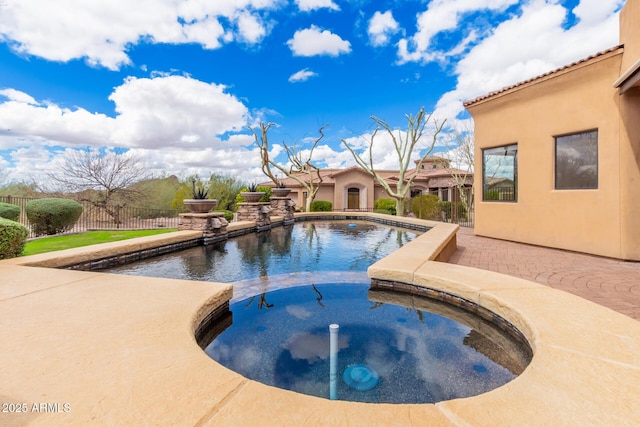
{"points": [[573, 64]]}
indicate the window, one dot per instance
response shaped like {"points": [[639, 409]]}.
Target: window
{"points": [[577, 161], [500, 173]]}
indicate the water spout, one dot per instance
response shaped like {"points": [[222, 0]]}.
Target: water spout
{"points": [[333, 361]]}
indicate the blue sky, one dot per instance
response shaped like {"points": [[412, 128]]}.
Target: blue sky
{"points": [[177, 82]]}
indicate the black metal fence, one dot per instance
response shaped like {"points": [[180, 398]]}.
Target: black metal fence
{"points": [[506, 194], [108, 217], [453, 215]]}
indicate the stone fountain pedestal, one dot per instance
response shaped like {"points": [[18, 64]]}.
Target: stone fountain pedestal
{"points": [[283, 206], [212, 224], [260, 212]]}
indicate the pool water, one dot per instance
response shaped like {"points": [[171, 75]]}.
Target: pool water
{"points": [[388, 352], [302, 247], [290, 283]]}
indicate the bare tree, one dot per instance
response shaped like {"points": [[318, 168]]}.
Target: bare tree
{"points": [[302, 170], [104, 180], [461, 155], [404, 143]]}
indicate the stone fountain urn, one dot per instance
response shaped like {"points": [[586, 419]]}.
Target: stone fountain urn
{"points": [[200, 205], [280, 192], [252, 196]]}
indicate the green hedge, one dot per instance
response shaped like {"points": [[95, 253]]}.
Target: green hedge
{"points": [[52, 216], [9, 211], [425, 206], [388, 205], [13, 237], [228, 215], [321, 206]]}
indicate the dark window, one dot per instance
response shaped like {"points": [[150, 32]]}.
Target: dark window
{"points": [[500, 173], [577, 161]]}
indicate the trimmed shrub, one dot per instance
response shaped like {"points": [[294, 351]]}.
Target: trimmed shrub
{"points": [[388, 205], [9, 211], [321, 206], [425, 206], [13, 237], [228, 215], [52, 216]]}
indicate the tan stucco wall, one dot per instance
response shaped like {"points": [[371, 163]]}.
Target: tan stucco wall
{"points": [[577, 99], [630, 33], [630, 174], [353, 178]]}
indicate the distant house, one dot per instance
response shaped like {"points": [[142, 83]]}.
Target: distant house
{"points": [[354, 189], [557, 157]]}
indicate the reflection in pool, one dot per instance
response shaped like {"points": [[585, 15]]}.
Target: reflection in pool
{"points": [[302, 247], [420, 354]]}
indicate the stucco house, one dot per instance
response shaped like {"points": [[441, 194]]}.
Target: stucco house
{"points": [[354, 189], [557, 157]]}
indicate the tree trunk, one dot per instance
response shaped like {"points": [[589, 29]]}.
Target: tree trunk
{"points": [[400, 207]]}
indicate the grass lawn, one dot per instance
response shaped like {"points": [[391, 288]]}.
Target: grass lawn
{"points": [[57, 243]]}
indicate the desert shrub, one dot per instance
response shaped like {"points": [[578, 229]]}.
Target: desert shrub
{"points": [[13, 237], [388, 205], [52, 216], [228, 215], [321, 206], [267, 193], [9, 211], [425, 206]]}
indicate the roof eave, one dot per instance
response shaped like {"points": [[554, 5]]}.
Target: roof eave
{"points": [[629, 79]]}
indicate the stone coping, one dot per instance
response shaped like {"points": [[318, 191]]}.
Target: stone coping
{"points": [[90, 348]]}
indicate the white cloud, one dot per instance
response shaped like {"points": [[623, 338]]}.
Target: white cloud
{"points": [[18, 96], [176, 123], [315, 41], [381, 27], [302, 76], [528, 45], [309, 5], [440, 16], [107, 28], [174, 110]]}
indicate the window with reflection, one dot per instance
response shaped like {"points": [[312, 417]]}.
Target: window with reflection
{"points": [[500, 173], [577, 161]]}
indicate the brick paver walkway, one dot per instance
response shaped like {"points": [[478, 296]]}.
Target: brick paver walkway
{"points": [[609, 282]]}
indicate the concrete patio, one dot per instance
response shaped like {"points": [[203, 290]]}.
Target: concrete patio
{"points": [[101, 349]]}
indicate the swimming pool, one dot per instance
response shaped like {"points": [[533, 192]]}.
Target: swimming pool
{"points": [[313, 246], [272, 270], [388, 350]]}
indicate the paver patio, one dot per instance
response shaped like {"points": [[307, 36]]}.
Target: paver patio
{"points": [[612, 283]]}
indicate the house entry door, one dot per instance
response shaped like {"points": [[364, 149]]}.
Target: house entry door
{"points": [[353, 198]]}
